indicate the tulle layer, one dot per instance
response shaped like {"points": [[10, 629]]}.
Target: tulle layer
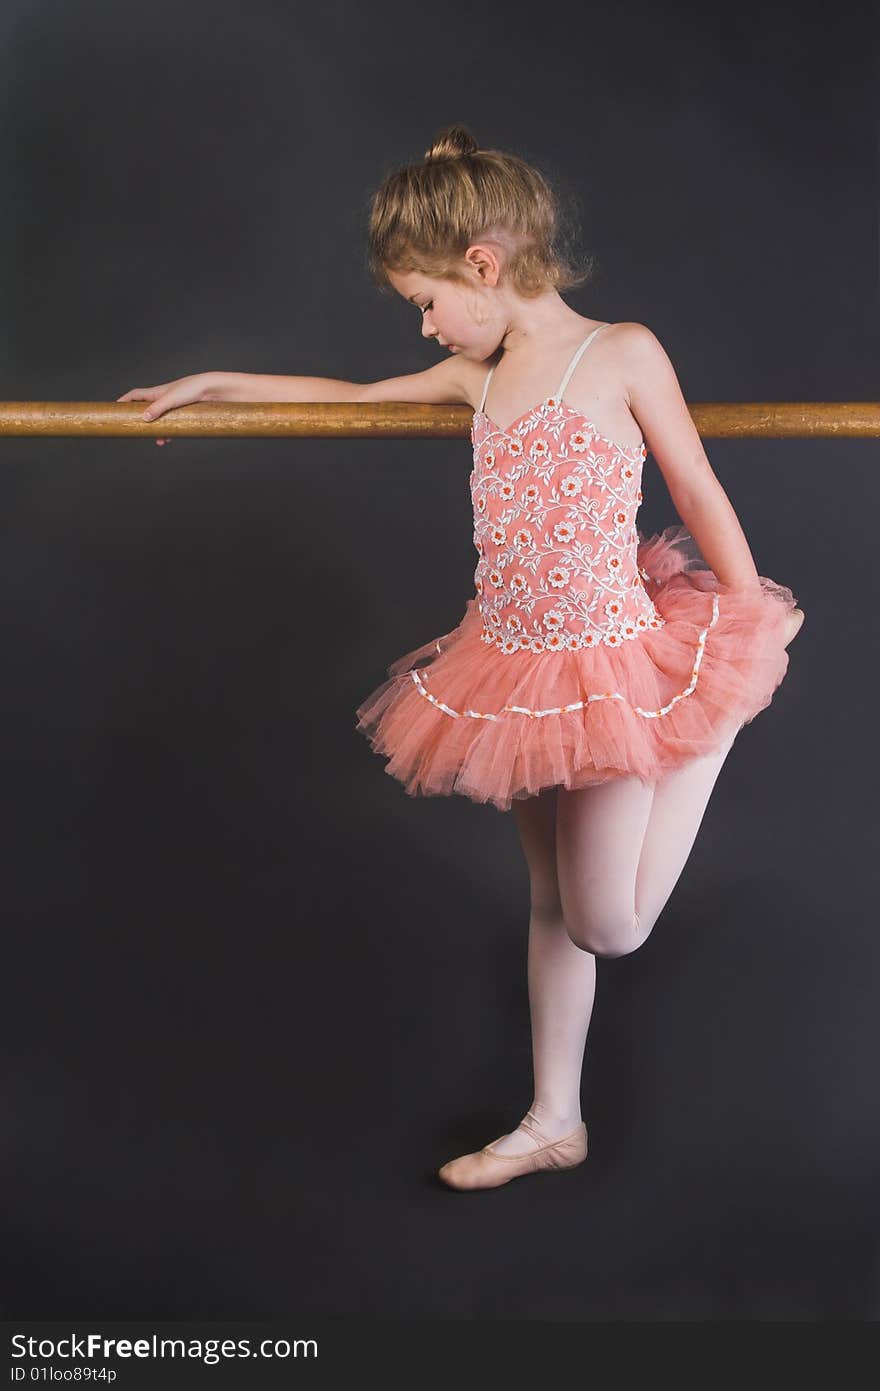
{"points": [[444, 717]]}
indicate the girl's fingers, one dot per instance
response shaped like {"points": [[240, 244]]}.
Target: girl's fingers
{"points": [[160, 399], [146, 393], [160, 404], [156, 408]]}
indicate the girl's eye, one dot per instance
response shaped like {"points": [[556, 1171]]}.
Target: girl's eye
{"points": [[427, 306]]}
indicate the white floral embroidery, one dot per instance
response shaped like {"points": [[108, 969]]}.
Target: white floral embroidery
{"points": [[555, 507]]}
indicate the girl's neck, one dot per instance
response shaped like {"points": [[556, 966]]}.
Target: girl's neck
{"points": [[540, 324]]}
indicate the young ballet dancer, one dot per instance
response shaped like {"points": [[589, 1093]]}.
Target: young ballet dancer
{"points": [[597, 680]]}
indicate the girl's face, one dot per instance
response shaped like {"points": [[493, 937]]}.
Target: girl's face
{"points": [[447, 309]]}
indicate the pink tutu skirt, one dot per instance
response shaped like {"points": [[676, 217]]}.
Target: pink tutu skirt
{"points": [[456, 715]]}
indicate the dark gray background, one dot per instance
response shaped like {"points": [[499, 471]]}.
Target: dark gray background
{"points": [[255, 994]]}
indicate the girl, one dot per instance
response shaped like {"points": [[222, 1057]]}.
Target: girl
{"points": [[597, 680]]}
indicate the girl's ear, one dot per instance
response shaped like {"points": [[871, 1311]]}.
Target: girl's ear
{"points": [[483, 258]]}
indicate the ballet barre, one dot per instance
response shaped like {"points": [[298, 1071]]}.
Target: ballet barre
{"points": [[401, 419]]}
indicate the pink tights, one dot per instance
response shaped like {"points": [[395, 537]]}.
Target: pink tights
{"points": [[602, 862]]}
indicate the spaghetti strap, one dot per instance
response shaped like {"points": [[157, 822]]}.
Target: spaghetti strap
{"points": [[576, 359], [565, 380], [486, 384]]}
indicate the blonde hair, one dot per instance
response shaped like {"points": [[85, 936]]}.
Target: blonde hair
{"points": [[425, 215]]}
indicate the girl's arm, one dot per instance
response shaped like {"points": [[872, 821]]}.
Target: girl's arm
{"points": [[444, 382], [655, 399], [438, 384]]}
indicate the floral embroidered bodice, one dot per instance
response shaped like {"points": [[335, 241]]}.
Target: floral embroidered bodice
{"points": [[555, 506]]}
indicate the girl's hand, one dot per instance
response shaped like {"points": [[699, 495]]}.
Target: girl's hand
{"points": [[184, 391]]}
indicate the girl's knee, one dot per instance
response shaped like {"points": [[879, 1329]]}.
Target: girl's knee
{"points": [[609, 939], [605, 947]]}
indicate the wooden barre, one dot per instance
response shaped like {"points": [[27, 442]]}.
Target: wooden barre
{"points": [[401, 419]]}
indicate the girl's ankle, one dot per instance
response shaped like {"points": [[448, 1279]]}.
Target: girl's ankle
{"points": [[553, 1117]]}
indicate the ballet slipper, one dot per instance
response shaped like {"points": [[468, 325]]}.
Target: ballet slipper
{"points": [[795, 619], [487, 1169]]}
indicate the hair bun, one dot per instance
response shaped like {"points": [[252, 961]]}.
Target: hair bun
{"points": [[452, 142], [427, 213]]}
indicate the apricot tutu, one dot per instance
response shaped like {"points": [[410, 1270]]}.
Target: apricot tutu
{"points": [[587, 652]]}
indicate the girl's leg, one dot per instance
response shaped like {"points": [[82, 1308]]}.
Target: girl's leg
{"points": [[621, 848], [562, 984]]}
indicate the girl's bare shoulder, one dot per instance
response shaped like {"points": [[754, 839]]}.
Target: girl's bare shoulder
{"points": [[634, 348]]}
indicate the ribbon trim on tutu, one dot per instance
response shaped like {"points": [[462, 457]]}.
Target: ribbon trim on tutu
{"points": [[420, 676]]}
